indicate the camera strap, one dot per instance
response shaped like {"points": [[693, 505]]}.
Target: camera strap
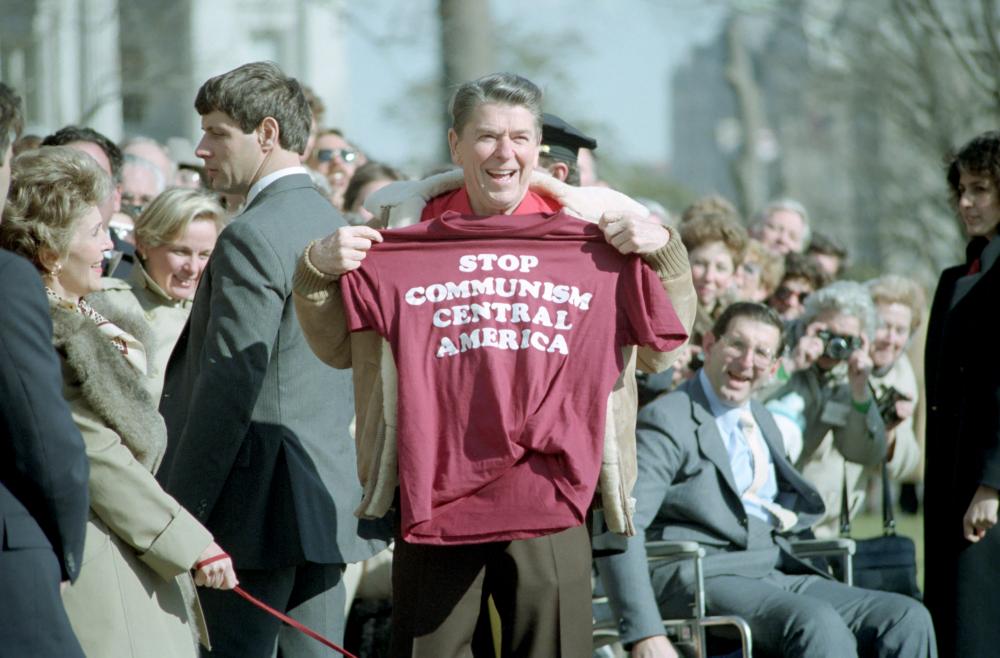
{"points": [[888, 517]]}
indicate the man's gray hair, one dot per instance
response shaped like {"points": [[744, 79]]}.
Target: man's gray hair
{"points": [[789, 205], [845, 298], [500, 88], [143, 163]]}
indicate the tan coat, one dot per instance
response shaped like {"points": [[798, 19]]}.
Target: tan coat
{"points": [[166, 316], [826, 469], [135, 597], [320, 311]]}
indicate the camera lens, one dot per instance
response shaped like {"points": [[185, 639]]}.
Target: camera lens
{"points": [[838, 348]]}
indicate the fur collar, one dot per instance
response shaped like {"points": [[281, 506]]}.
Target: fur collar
{"points": [[111, 386], [400, 203]]}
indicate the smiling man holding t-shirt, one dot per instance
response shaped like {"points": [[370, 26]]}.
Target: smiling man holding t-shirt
{"points": [[490, 332]]}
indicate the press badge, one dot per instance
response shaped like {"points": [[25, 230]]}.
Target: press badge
{"points": [[835, 413]]}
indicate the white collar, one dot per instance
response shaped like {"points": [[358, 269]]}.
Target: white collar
{"points": [[259, 186]]}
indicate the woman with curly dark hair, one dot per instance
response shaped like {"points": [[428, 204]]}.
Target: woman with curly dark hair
{"points": [[963, 418]]}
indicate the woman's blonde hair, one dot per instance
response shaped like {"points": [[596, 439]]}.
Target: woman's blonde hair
{"points": [[772, 265], [896, 289], [168, 216], [50, 189]]}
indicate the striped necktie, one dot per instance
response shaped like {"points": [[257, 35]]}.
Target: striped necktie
{"points": [[786, 518]]}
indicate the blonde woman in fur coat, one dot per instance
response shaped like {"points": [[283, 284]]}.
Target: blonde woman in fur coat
{"points": [[135, 596]]}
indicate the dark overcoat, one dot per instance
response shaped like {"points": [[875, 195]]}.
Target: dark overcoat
{"points": [[43, 474], [962, 582]]}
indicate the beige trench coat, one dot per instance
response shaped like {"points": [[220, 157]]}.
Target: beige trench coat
{"points": [[135, 596]]}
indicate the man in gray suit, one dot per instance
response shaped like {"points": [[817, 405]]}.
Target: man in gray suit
{"points": [[712, 469], [259, 447]]}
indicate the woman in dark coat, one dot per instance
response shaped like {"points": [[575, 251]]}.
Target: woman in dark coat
{"points": [[963, 419]]}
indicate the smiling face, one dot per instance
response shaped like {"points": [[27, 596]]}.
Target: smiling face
{"points": [[79, 271], [789, 299], [497, 150], [978, 204], [336, 159], [712, 271], [742, 360], [783, 232], [892, 334], [177, 266], [232, 158]]}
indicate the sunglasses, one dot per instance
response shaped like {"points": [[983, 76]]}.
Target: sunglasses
{"points": [[784, 294], [346, 155]]}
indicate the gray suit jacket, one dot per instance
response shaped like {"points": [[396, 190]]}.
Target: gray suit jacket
{"points": [[259, 448], [686, 491]]}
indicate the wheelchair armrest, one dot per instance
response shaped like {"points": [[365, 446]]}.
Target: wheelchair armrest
{"points": [[663, 550], [823, 547]]}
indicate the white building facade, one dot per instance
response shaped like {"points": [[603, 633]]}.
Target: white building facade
{"points": [[133, 67]]}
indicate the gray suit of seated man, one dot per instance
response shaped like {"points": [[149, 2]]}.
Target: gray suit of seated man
{"points": [[698, 480]]}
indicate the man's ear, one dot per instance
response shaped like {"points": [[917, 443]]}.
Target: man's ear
{"points": [[559, 170], [453, 146], [269, 134]]}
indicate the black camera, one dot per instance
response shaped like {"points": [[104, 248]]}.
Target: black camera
{"points": [[837, 346], [886, 403]]}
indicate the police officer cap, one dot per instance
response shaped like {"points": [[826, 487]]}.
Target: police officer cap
{"points": [[562, 141]]}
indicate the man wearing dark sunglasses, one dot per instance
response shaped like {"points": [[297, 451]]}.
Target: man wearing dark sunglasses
{"points": [[337, 159], [802, 277]]}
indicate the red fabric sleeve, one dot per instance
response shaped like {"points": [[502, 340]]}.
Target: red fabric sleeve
{"points": [[359, 290], [650, 317]]}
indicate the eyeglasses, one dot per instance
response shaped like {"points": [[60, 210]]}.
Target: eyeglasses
{"points": [[736, 348], [784, 294], [133, 210], [346, 155]]}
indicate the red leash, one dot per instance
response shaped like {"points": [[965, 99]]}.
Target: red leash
{"points": [[302, 628]]}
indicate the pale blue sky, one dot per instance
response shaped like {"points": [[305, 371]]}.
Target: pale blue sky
{"points": [[617, 80]]}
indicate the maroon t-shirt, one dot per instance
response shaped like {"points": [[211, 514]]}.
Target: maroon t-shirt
{"points": [[507, 334]]}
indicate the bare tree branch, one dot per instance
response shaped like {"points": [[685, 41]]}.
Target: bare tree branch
{"points": [[747, 174], [968, 63], [989, 19]]}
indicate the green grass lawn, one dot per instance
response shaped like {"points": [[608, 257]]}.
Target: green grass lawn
{"points": [[912, 526]]}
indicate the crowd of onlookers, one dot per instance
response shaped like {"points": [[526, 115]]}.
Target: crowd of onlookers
{"points": [[844, 384]]}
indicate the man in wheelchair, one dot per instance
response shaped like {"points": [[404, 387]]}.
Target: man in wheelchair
{"points": [[712, 469]]}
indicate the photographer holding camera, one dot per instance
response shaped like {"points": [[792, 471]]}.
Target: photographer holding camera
{"points": [[831, 396]]}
